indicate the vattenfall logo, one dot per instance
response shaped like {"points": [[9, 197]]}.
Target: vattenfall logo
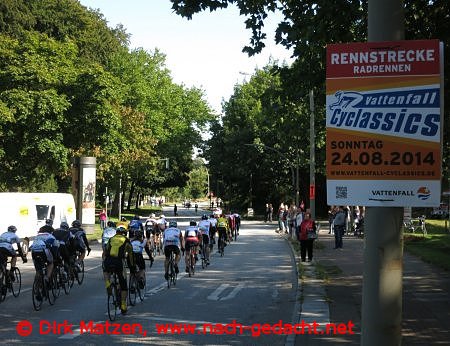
{"points": [[422, 193]]}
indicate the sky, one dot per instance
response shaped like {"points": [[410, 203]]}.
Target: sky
{"points": [[205, 52]]}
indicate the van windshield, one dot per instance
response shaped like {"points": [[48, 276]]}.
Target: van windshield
{"points": [[42, 211]]}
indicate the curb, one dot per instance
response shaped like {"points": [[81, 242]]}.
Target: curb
{"points": [[311, 305]]}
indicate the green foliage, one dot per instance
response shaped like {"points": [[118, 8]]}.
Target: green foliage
{"points": [[306, 28], [69, 86]]}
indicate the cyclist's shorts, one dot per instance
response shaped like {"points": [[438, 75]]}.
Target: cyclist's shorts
{"points": [[4, 252], [205, 239], [113, 265], [221, 230], [191, 242], [139, 260], [40, 259], [171, 248]]}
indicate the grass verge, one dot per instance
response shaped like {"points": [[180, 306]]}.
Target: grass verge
{"points": [[433, 247]]}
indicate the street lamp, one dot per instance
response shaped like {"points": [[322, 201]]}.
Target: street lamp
{"points": [[295, 177]]}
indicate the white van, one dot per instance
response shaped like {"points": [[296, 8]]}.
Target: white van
{"points": [[28, 212]]}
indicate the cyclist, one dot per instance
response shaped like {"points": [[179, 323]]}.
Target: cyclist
{"points": [[138, 243], [108, 233], [172, 242], [237, 219], [44, 250], [150, 235], [222, 229], [192, 236], [205, 227], [212, 230], [80, 241], [123, 222], [65, 239], [117, 250], [7, 239], [135, 225]]}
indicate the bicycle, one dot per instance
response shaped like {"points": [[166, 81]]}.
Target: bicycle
{"points": [[412, 226], [41, 289], [9, 281], [191, 260], [134, 288], [62, 278], [221, 245], [77, 269], [114, 297], [172, 278], [203, 258]]}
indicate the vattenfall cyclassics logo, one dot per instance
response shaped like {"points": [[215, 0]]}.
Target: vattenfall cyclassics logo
{"points": [[422, 193]]}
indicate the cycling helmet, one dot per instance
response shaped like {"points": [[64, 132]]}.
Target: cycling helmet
{"points": [[122, 230], [173, 224], [46, 229], [49, 222], [12, 229], [76, 223], [64, 225], [111, 224], [123, 218], [204, 217], [192, 223]]}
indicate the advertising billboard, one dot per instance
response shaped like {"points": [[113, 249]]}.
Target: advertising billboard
{"points": [[384, 123]]}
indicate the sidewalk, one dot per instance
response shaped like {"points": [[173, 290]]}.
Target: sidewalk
{"points": [[426, 294]]}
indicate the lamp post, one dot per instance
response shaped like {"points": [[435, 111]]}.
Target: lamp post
{"points": [[295, 176]]}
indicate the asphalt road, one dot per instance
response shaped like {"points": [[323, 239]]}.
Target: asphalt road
{"points": [[225, 304]]}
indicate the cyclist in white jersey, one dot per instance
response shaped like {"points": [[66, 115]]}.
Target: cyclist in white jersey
{"points": [[7, 240], [212, 230], [173, 242], [138, 243], [205, 227]]}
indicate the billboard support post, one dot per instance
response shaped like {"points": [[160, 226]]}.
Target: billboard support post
{"points": [[383, 250]]}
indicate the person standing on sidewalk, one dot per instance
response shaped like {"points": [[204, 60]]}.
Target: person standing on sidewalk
{"points": [[340, 221], [306, 241], [103, 219]]}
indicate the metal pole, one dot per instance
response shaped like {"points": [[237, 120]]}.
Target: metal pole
{"points": [[383, 248], [312, 157]]}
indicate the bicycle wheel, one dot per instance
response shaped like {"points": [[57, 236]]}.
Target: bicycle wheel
{"points": [[132, 290], [64, 280], [112, 303], [3, 287], [49, 291], [37, 293], [80, 276], [191, 264], [16, 284], [71, 276], [141, 290], [55, 283], [203, 260], [171, 281]]}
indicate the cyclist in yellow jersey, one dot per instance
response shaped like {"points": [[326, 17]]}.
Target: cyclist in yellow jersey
{"points": [[222, 229], [117, 250]]}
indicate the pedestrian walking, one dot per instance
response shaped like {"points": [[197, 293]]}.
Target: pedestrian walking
{"points": [[175, 210], [270, 212]]}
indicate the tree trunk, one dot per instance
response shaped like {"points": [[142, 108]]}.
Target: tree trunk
{"points": [[130, 196]]}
